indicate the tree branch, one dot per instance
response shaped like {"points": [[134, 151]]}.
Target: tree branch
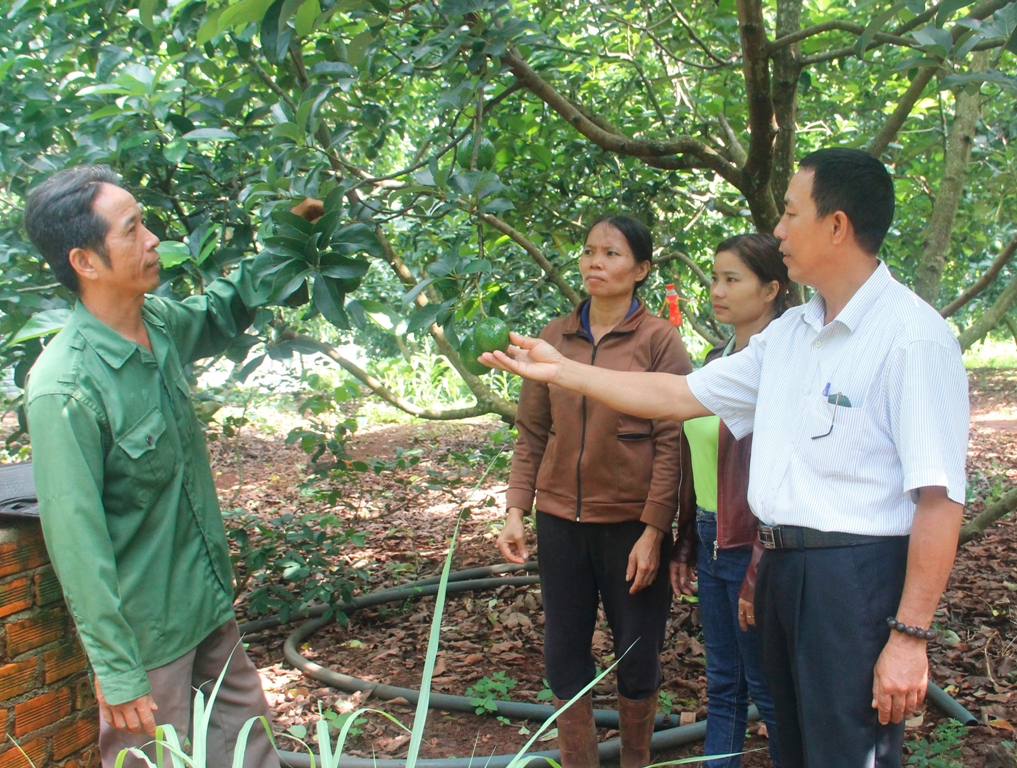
{"points": [[379, 388], [685, 259], [984, 281], [991, 317], [831, 26], [713, 339], [976, 527], [535, 253], [895, 122], [734, 144], [987, 8], [646, 149]]}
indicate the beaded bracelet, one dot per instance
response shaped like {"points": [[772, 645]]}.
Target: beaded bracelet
{"points": [[900, 626]]}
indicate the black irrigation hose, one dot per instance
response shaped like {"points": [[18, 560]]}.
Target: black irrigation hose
{"points": [[468, 581]]}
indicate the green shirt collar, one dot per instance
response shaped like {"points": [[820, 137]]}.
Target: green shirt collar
{"points": [[110, 345]]}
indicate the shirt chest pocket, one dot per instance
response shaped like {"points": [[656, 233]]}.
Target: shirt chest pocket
{"points": [[837, 437], [146, 453]]}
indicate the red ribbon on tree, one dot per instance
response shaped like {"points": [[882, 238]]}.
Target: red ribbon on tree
{"points": [[674, 313]]}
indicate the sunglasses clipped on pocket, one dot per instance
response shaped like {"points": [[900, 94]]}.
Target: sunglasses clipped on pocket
{"points": [[837, 400]]}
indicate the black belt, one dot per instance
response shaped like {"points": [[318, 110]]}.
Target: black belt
{"points": [[796, 537]]}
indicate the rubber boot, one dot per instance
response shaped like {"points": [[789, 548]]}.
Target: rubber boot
{"points": [[577, 735], [635, 721]]}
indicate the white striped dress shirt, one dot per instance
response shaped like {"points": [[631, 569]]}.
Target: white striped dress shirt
{"points": [[899, 366]]}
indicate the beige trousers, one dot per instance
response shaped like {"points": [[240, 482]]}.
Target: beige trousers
{"points": [[240, 698]]}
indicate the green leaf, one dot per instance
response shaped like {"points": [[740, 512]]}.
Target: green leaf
{"points": [[356, 51], [291, 220], [209, 27], [357, 238], [172, 253], [101, 114], [239, 15], [175, 151], [542, 155], [146, 10], [875, 25], [41, 324], [210, 134], [341, 267], [289, 131], [948, 8], [303, 21], [329, 300], [275, 35]]}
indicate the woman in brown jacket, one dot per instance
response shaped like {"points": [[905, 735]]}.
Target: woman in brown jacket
{"points": [[606, 494], [715, 525]]}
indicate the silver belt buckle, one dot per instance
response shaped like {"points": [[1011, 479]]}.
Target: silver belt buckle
{"points": [[768, 536]]}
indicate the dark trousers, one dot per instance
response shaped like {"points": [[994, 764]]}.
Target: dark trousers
{"points": [[580, 565], [821, 615]]}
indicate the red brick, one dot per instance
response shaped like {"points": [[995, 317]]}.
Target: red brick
{"points": [[44, 627], [62, 661], [17, 678], [90, 758], [47, 588], [80, 734], [35, 749], [15, 596], [27, 551], [3, 725], [84, 695], [41, 711]]}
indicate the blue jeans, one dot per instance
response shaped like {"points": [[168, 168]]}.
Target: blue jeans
{"points": [[734, 668]]}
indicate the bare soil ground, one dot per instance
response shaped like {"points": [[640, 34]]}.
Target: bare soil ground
{"points": [[407, 528]]}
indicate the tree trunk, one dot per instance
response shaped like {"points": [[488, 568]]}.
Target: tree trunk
{"points": [[786, 71], [955, 168]]}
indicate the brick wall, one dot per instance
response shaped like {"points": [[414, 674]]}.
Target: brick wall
{"points": [[46, 700]]}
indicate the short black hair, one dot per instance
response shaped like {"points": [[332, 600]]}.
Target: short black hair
{"points": [[856, 183], [636, 234], [59, 217]]}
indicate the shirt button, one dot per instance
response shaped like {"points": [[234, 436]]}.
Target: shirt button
{"points": [[818, 344], [149, 440]]}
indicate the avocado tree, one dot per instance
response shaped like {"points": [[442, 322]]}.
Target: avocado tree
{"points": [[462, 147]]}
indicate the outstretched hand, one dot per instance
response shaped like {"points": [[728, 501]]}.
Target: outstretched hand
{"points": [[530, 358]]}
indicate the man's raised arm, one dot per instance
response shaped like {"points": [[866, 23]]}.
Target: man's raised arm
{"points": [[646, 395]]}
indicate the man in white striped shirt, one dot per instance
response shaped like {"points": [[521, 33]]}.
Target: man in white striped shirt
{"points": [[859, 408]]}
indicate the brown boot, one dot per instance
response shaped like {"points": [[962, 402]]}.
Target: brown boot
{"points": [[635, 721], [577, 735]]}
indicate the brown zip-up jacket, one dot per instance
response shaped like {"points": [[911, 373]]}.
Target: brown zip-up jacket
{"points": [[584, 461], [736, 525]]}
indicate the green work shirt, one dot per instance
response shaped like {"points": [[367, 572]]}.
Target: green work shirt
{"points": [[126, 496]]}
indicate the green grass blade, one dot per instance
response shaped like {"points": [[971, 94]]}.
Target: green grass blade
{"points": [[519, 760], [166, 738], [325, 743], [241, 746], [420, 716], [200, 729]]}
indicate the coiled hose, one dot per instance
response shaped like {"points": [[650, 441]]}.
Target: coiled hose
{"points": [[668, 733]]}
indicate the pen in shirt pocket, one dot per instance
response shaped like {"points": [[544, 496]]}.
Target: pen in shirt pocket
{"points": [[836, 398]]}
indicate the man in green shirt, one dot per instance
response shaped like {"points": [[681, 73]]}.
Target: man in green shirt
{"points": [[126, 495]]}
